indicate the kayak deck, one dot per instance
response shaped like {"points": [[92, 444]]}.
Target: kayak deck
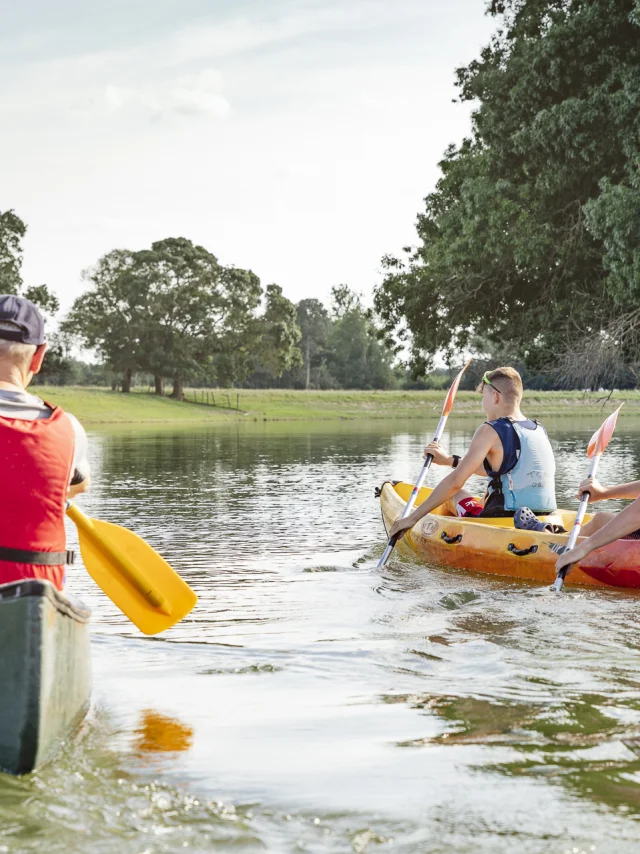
{"points": [[496, 547], [45, 672]]}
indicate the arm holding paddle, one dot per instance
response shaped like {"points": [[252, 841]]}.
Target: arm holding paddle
{"points": [[446, 409], [442, 458], [482, 442], [81, 469], [598, 492], [622, 524], [596, 448], [78, 488]]}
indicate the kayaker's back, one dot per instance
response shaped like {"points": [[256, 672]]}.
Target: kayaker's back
{"points": [[43, 454]]}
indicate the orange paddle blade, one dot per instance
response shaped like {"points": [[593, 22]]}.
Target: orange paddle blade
{"points": [[603, 434], [448, 404]]}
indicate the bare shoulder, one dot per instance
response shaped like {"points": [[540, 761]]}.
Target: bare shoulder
{"points": [[485, 438], [485, 432]]}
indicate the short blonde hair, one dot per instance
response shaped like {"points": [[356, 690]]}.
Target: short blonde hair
{"points": [[16, 352], [507, 381]]}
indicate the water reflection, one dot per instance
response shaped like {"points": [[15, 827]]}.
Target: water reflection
{"points": [[161, 734]]}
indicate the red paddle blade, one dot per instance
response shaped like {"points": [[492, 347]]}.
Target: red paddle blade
{"points": [[603, 434], [448, 404]]}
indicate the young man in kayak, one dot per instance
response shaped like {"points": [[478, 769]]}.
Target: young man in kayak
{"points": [[605, 527], [43, 452], [511, 450]]}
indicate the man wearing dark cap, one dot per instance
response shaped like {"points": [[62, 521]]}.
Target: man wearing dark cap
{"points": [[42, 451]]}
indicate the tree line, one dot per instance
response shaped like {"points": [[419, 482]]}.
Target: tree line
{"points": [[174, 313]]}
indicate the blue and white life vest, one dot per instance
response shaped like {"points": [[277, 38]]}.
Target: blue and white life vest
{"points": [[526, 477]]}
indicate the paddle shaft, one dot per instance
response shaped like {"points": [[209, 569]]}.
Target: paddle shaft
{"points": [[126, 567], [414, 492], [575, 531]]}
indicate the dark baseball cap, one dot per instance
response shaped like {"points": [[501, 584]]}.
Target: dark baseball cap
{"points": [[27, 318]]}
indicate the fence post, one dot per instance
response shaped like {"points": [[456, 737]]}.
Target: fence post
{"points": [[238, 402]]}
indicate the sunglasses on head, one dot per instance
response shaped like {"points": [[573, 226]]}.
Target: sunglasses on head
{"points": [[487, 381]]}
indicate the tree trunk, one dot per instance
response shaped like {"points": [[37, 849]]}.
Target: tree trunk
{"points": [[114, 385], [159, 384], [126, 380], [307, 381], [178, 389]]}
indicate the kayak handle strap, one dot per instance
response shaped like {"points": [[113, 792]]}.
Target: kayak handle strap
{"points": [[451, 541], [521, 552]]}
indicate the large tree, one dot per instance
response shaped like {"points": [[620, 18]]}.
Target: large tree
{"points": [[114, 316], [174, 311], [530, 238], [199, 309]]}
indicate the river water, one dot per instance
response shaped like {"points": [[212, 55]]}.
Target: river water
{"points": [[312, 703]]}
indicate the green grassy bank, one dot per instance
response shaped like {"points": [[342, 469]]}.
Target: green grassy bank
{"points": [[102, 406]]}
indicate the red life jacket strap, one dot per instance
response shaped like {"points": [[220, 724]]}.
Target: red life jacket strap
{"points": [[41, 558]]}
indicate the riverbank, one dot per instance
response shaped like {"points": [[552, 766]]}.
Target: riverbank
{"points": [[102, 406]]}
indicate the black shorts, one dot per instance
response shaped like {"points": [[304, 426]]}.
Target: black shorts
{"points": [[494, 508]]}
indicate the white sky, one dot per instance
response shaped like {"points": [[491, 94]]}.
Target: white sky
{"points": [[293, 137]]}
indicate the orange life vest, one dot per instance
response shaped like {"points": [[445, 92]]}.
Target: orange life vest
{"points": [[35, 464]]}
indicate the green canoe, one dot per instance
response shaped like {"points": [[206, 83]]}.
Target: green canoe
{"points": [[45, 672]]}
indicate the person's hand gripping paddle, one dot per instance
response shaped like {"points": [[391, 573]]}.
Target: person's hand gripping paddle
{"points": [[132, 574], [446, 409], [595, 450]]}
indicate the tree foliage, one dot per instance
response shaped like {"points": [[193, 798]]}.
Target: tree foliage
{"points": [[313, 319], [12, 231], [340, 347], [174, 311], [357, 358], [530, 238], [280, 333]]}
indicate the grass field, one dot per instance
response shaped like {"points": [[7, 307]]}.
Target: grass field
{"points": [[102, 406]]}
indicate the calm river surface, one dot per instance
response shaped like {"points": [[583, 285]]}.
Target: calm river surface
{"points": [[315, 704]]}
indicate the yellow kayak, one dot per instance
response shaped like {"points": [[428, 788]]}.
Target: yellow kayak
{"points": [[494, 546]]}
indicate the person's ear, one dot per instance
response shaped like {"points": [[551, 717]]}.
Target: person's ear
{"points": [[38, 358]]}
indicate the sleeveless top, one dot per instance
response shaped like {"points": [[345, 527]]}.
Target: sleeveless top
{"points": [[526, 477]]}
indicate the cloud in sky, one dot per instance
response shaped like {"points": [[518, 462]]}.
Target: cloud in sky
{"points": [[294, 137], [190, 95]]}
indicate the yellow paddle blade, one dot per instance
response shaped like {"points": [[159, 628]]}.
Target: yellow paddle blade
{"points": [[132, 574]]}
